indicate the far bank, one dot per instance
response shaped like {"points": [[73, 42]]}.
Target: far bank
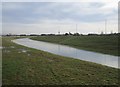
{"points": [[101, 44]]}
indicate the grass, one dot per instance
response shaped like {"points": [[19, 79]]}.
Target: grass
{"points": [[102, 44], [35, 67]]}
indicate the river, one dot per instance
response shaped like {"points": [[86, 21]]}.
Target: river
{"points": [[63, 50]]}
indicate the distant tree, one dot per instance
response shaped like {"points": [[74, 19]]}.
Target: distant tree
{"points": [[66, 34], [92, 34], [70, 33], [51, 34], [76, 34], [23, 35], [43, 35]]}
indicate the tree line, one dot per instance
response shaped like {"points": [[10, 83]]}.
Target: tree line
{"points": [[65, 34]]}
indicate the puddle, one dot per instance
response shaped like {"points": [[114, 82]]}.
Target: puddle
{"points": [[23, 50], [28, 54], [12, 47]]}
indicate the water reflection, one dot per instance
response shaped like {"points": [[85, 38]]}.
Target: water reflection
{"points": [[63, 50]]}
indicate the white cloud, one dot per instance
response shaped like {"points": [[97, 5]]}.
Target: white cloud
{"points": [[47, 25], [81, 8], [12, 6], [59, 0]]}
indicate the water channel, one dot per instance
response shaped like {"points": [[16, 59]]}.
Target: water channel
{"points": [[68, 51]]}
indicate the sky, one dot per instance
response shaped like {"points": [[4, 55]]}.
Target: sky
{"points": [[53, 16]]}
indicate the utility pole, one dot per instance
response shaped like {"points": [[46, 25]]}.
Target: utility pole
{"points": [[111, 32], [76, 28], [59, 32], [106, 26]]}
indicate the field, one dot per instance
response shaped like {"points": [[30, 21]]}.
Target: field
{"points": [[102, 44], [26, 66]]}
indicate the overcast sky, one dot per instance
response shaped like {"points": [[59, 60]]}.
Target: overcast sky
{"points": [[51, 17]]}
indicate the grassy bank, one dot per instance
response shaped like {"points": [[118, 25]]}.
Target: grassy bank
{"points": [[102, 44], [26, 66]]}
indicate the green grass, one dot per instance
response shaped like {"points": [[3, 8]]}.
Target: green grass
{"points": [[102, 44], [43, 68]]}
